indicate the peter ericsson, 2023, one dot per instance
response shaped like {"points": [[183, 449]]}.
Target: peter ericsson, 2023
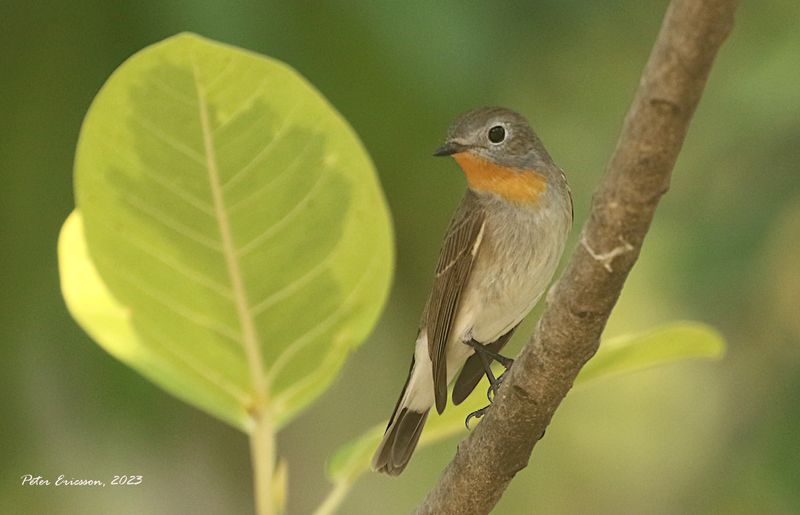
{"points": [[61, 480]]}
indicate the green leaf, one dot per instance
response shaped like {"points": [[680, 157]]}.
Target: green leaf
{"points": [[627, 353], [632, 352], [233, 243]]}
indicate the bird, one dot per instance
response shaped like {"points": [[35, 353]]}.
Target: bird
{"points": [[498, 256]]}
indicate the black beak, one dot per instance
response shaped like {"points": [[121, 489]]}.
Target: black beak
{"points": [[450, 148]]}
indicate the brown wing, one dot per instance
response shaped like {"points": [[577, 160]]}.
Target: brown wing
{"points": [[452, 272]]}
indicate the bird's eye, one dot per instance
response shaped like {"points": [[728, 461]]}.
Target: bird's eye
{"points": [[497, 134]]}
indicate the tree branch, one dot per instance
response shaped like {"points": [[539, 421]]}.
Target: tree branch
{"points": [[580, 303]]}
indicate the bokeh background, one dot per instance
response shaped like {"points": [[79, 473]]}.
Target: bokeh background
{"points": [[700, 437]]}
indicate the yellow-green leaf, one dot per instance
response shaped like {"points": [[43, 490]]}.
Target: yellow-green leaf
{"points": [[233, 236]]}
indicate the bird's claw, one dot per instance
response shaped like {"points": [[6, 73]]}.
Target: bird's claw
{"points": [[491, 393], [476, 414], [494, 387]]}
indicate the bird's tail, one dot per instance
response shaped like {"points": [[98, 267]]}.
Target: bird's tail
{"points": [[402, 434]]}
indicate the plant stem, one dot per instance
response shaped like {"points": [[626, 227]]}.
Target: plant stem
{"points": [[262, 455], [334, 498]]}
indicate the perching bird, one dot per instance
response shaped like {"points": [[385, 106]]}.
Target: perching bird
{"points": [[498, 257]]}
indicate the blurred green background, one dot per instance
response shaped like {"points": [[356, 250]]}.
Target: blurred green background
{"points": [[700, 437]]}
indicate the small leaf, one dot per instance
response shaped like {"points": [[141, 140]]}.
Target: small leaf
{"points": [[627, 353], [234, 225]]}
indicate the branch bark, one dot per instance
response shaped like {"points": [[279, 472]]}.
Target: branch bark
{"points": [[579, 305]]}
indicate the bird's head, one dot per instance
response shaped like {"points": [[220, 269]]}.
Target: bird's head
{"points": [[499, 153]]}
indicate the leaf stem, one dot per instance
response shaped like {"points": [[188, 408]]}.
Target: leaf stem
{"points": [[334, 498], [262, 456]]}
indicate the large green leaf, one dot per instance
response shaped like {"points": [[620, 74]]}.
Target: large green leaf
{"points": [[233, 242], [627, 353]]}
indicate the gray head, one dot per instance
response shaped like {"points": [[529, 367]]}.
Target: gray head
{"points": [[497, 134]]}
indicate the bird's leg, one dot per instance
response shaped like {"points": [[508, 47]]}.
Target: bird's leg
{"points": [[506, 362], [486, 355]]}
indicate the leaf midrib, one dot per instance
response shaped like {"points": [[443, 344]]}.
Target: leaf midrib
{"points": [[249, 335]]}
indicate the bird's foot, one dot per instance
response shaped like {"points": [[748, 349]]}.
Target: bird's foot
{"points": [[491, 393], [486, 356]]}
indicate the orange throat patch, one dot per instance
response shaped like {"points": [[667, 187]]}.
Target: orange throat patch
{"points": [[512, 184]]}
